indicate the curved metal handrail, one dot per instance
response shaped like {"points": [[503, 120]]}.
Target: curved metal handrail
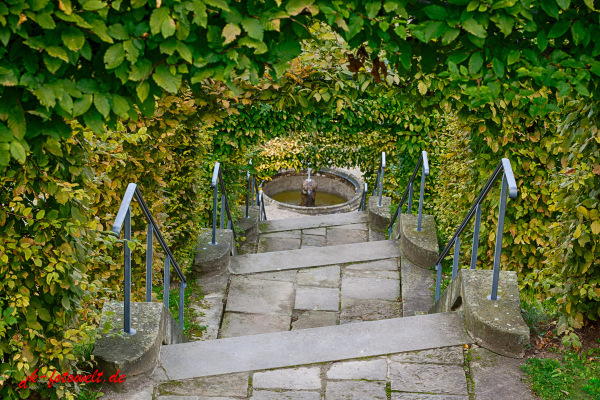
{"points": [[408, 192], [216, 183], [509, 185], [123, 220], [378, 189]]}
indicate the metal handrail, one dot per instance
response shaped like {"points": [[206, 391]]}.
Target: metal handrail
{"points": [[508, 184], [378, 189], [408, 192], [216, 182], [363, 199], [251, 200], [123, 219], [262, 215]]}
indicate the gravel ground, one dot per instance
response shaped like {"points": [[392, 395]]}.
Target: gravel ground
{"points": [[275, 212]]}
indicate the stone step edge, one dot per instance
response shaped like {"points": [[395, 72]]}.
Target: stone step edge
{"points": [[315, 345], [313, 221], [313, 257]]}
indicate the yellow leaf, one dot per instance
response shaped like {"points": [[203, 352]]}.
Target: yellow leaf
{"points": [[596, 227], [577, 232]]}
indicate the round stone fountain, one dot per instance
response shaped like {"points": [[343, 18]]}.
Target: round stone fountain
{"points": [[337, 191]]}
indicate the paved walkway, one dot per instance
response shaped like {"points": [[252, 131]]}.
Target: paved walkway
{"points": [[314, 316]]}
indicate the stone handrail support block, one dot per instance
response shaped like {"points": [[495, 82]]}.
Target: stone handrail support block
{"points": [[379, 217], [496, 325], [134, 356], [421, 248], [212, 259], [248, 225]]}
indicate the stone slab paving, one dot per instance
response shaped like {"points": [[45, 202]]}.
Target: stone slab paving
{"points": [[260, 296], [314, 257], [266, 245], [306, 346], [320, 276], [240, 324], [370, 288], [313, 241], [353, 310], [436, 374], [317, 298], [417, 288], [310, 222], [493, 374], [336, 237], [313, 319]]}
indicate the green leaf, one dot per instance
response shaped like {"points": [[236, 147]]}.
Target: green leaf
{"points": [[513, 57], [120, 106], [18, 151], [163, 78], [44, 314], [564, 4], [157, 18], [475, 62], [449, 36], [4, 154], [542, 40], [142, 90], [102, 104], [168, 28], [57, 52], [253, 27], [230, 32], [559, 28], [16, 122], [498, 66], [118, 31], [73, 38], [578, 31], [45, 20], [53, 146], [550, 7], [65, 303], [295, 7], [373, 8], [590, 4], [114, 56], [286, 51], [46, 96], [81, 105], [434, 29], [131, 51], [94, 5], [436, 12], [474, 28], [5, 134], [505, 23], [222, 4]]}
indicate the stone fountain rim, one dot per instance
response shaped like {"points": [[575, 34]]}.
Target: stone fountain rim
{"points": [[349, 205]]}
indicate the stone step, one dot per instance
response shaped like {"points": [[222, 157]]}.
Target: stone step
{"points": [[417, 288], [315, 345], [316, 221], [313, 257]]}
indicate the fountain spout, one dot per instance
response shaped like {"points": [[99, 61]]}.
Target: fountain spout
{"points": [[308, 192]]}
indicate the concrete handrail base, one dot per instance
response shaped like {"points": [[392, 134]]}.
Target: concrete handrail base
{"points": [[379, 217], [134, 356], [212, 259], [496, 325], [421, 248], [248, 225]]}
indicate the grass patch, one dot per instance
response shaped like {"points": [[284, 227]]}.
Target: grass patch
{"points": [[192, 293], [538, 315], [574, 376]]}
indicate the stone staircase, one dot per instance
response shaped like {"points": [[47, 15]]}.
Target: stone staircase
{"points": [[322, 308]]}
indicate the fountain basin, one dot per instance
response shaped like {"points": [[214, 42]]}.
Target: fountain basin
{"points": [[338, 191]]}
